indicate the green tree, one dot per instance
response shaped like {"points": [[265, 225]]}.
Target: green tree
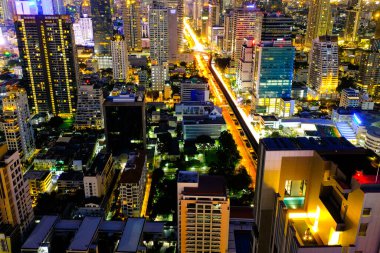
{"points": [[55, 122], [345, 83]]}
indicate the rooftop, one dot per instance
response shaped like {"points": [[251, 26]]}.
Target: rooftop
{"points": [[36, 175], [203, 120], [208, 186], [71, 176], [85, 234], [188, 177], [40, 232], [130, 239], [98, 164], [126, 93], [133, 169], [304, 143]]}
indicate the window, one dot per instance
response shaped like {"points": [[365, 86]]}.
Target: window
{"points": [[363, 229], [366, 211]]}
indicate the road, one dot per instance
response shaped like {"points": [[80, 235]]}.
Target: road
{"points": [[230, 116]]}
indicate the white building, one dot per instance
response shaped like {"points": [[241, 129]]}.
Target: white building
{"points": [[98, 177], [349, 98], [89, 107], [15, 201], [16, 123], [160, 74], [244, 73], [83, 31], [119, 54], [132, 185], [323, 66], [159, 35]]}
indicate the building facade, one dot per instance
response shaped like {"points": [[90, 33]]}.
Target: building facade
{"points": [[48, 54], [132, 24], [324, 66], [319, 21], [203, 213], [15, 202], [16, 123], [102, 26], [369, 72], [119, 54]]}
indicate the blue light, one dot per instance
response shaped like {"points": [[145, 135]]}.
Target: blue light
{"points": [[357, 120], [251, 6]]}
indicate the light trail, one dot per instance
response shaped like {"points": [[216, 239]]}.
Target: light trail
{"points": [[197, 45]]}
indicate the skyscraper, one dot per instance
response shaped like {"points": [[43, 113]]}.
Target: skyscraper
{"points": [[132, 24], [90, 99], [319, 21], [244, 72], [48, 56], [119, 57], [159, 36], [102, 25], [323, 66], [275, 26], [273, 74], [17, 128], [203, 213], [15, 201], [369, 72], [244, 26], [352, 24], [124, 120]]}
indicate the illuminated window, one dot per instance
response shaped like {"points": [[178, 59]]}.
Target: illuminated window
{"points": [[366, 211], [363, 229]]}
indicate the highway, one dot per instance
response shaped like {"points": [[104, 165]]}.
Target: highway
{"points": [[236, 124]]}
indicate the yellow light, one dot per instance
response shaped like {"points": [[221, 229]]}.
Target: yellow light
{"points": [[334, 237], [301, 215], [316, 221]]}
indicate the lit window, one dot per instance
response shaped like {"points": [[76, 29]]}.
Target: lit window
{"points": [[363, 229]]}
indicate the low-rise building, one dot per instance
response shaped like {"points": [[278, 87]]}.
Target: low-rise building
{"points": [[193, 109], [39, 182], [194, 90], [349, 98], [98, 177], [132, 184], [70, 181], [194, 127]]}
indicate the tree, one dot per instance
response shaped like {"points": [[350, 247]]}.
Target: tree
{"points": [[222, 63], [55, 122], [183, 64], [165, 140], [345, 83]]}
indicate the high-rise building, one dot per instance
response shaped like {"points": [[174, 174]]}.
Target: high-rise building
{"points": [[16, 123], [176, 8], [369, 72], [48, 56], [119, 54], [5, 13], [203, 213], [352, 24], [273, 74], [132, 24], [83, 31], [228, 31], [244, 72], [53, 7], [274, 26], [173, 34], [15, 201], [102, 25], [377, 19], [316, 194], [160, 74], [132, 184], [319, 21], [159, 36], [323, 66], [23, 7], [124, 120], [244, 26], [90, 99]]}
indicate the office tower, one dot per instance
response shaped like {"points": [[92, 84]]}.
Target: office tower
{"points": [[132, 24], [124, 120], [323, 66], [244, 26], [173, 34], [159, 36], [102, 25], [194, 90], [83, 31], [352, 24], [16, 123], [53, 7], [369, 72], [273, 74], [203, 213], [244, 73], [90, 99], [119, 57], [15, 202], [316, 194], [319, 21], [228, 31], [274, 26], [176, 8], [26, 7], [48, 54], [214, 13], [132, 185]]}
